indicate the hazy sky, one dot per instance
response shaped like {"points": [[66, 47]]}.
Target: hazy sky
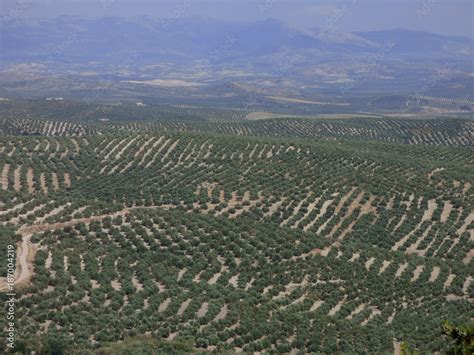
{"points": [[453, 17]]}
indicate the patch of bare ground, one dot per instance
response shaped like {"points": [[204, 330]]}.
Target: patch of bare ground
{"points": [[354, 257], [449, 281], [469, 255], [234, 280], [184, 306], [164, 305], [469, 219], [397, 347], [390, 203], [95, 284], [67, 180], [49, 260], [161, 287], [82, 264], [48, 289], [391, 318], [385, 265], [429, 211], [222, 313], [76, 145], [234, 200], [466, 188], [203, 310], [434, 273], [222, 196], [45, 326], [410, 201], [54, 177], [26, 252], [16, 179], [273, 208], [29, 180], [270, 152], [451, 297], [181, 273], [447, 208], [369, 263], [44, 186], [4, 178], [417, 272], [66, 263], [10, 153], [467, 283], [172, 336], [325, 251], [337, 307], [401, 269], [136, 283], [197, 277], [316, 305], [266, 289]]}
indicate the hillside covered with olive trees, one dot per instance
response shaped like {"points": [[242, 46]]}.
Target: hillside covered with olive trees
{"points": [[286, 235]]}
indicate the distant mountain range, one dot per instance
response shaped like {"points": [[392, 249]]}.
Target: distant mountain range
{"points": [[111, 40], [208, 58]]}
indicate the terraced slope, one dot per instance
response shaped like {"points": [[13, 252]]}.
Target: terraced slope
{"points": [[239, 242]]}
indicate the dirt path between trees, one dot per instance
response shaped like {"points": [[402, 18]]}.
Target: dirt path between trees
{"points": [[24, 267]]}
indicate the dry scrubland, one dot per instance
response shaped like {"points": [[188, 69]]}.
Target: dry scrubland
{"points": [[341, 244]]}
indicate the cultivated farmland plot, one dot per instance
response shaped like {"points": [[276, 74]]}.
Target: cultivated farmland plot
{"points": [[286, 235]]}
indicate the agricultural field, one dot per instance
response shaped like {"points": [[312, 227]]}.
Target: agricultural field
{"points": [[284, 235], [75, 120]]}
